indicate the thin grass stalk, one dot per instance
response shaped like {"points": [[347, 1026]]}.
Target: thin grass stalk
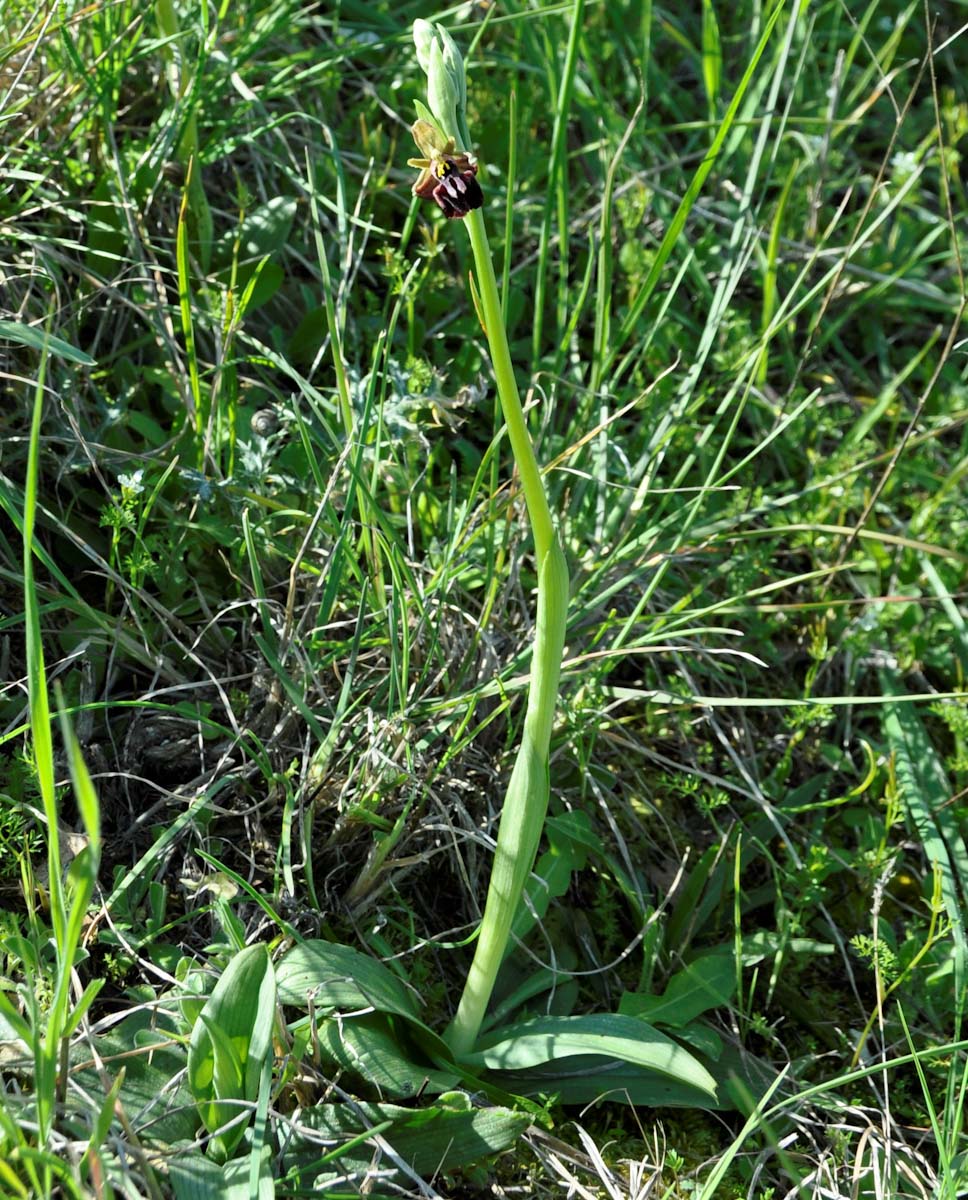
{"points": [[182, 80], [68, 904], [40, 722], [199, 401], [45, 1046], [633, 318], [557, 195]]}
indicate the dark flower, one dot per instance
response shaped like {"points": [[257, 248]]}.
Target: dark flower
{"points": [[445, 176]]}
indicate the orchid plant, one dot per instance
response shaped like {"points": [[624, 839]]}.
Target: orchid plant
{"points": [[611, 1051], [575, 1057], [448, 175]]}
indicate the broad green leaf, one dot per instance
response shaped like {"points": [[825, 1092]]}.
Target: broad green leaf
{"points": [[195, 1177], [379, 1050], [699, 1036], [230, 1041], [264, 230], [255, 245], [16, 1038], [339, 978], [708, 982], [584, 1079], [575, 827], [430, 1044], [156, 1100], [262, 284], [518, 986], [442, 1136], [569, 836], [684, 910], [548, 1039], [766, 942], [227, 1059], [36, 339]]}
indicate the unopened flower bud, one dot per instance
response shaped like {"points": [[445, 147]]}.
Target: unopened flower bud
{"points": [[454, 63], [423, 39], [438, 55]]}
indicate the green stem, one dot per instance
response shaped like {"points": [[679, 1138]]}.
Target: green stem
{"points": [[542, 523], [526, 802]]}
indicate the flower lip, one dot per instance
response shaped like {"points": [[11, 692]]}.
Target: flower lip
{"points": [[458, 191]]}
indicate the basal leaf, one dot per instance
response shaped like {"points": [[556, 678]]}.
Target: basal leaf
{"points": [[612, 1035], [381, 1053], [708, 982], [156, 1101], [195, 1177], [263, 231], [438, 1137], [230, 1041], [766, 942], [584, 1079], [341, 979], [570, 836]]}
